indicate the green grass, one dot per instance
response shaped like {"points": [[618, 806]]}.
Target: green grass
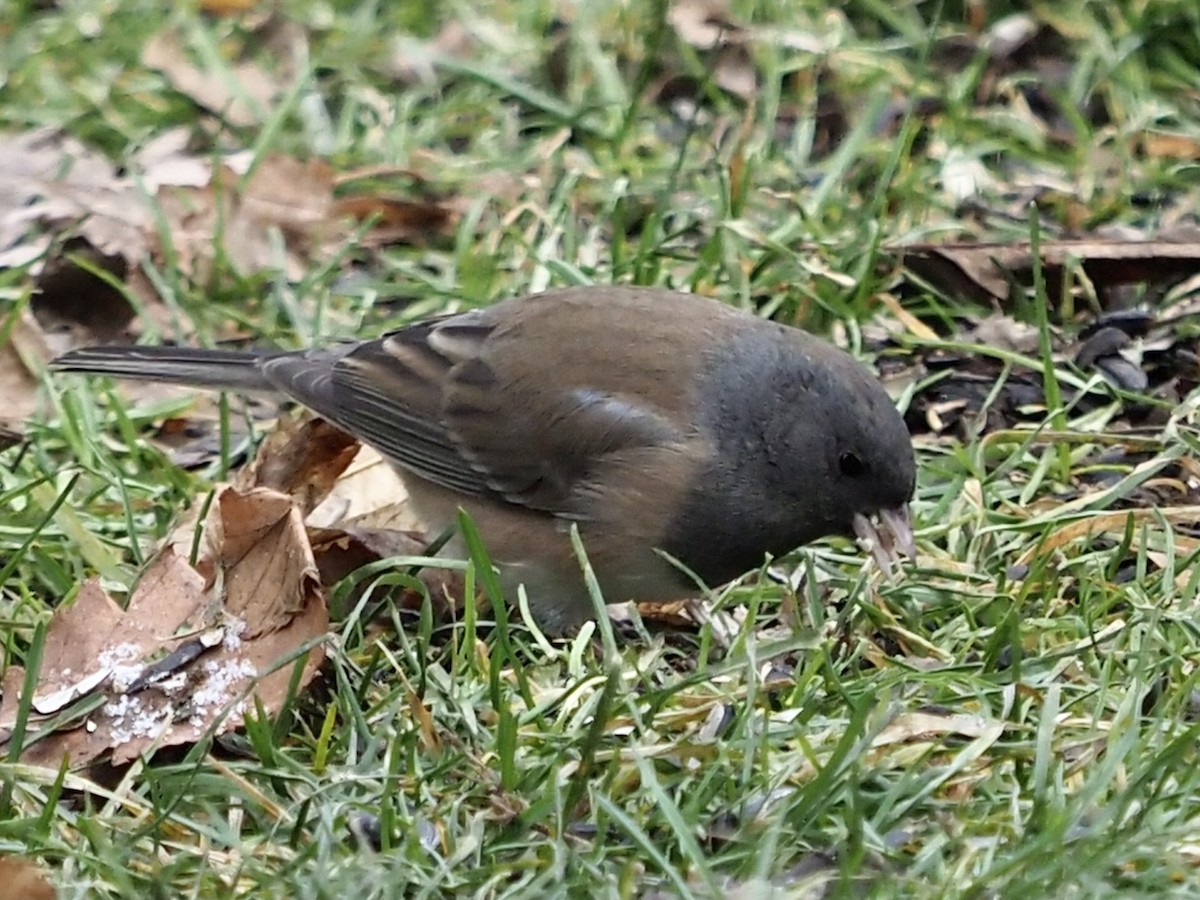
{"points": [[1057, 677]]}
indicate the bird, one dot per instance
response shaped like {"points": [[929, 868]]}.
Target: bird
{"points": [[685, 438]]}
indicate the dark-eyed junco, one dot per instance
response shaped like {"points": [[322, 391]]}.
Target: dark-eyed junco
{"points": [[653, 419]]}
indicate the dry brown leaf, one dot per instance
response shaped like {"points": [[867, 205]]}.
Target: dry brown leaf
{"points": [[66, 210], [1168, 145], [365, 517], [704, 23], [227, 7], [1114, 521], [982, 271], [343, 550], [258, 543], [414, 61], [368, 494], [923, 725], [212, 667], [301, 458], [50, 184], [166, 160], [674, 614], [397, 220], [281, 195], [910, 323], [347, 488], [243, 94], [734, 71], [49, 179], [23, 353], [295, 196], [1004, 332], [208, 633], [340, 551], [22, 880], [208, 659]]}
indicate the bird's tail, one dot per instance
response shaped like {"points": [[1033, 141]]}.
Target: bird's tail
{"points": [[230, 370]]}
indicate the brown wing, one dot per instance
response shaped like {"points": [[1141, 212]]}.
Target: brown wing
{"points": [[517, 400], [390, 402], [560, 387]]}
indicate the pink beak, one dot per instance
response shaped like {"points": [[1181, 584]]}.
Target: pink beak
{"points": [[887, 539]]}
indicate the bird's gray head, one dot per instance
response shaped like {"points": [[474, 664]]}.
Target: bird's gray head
{"points": [[808, 444]]}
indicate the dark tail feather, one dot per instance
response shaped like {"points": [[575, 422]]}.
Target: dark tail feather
{"points": [[231, 370]]}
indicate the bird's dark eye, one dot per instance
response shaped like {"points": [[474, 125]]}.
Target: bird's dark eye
{"points": [[851, 465]]}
